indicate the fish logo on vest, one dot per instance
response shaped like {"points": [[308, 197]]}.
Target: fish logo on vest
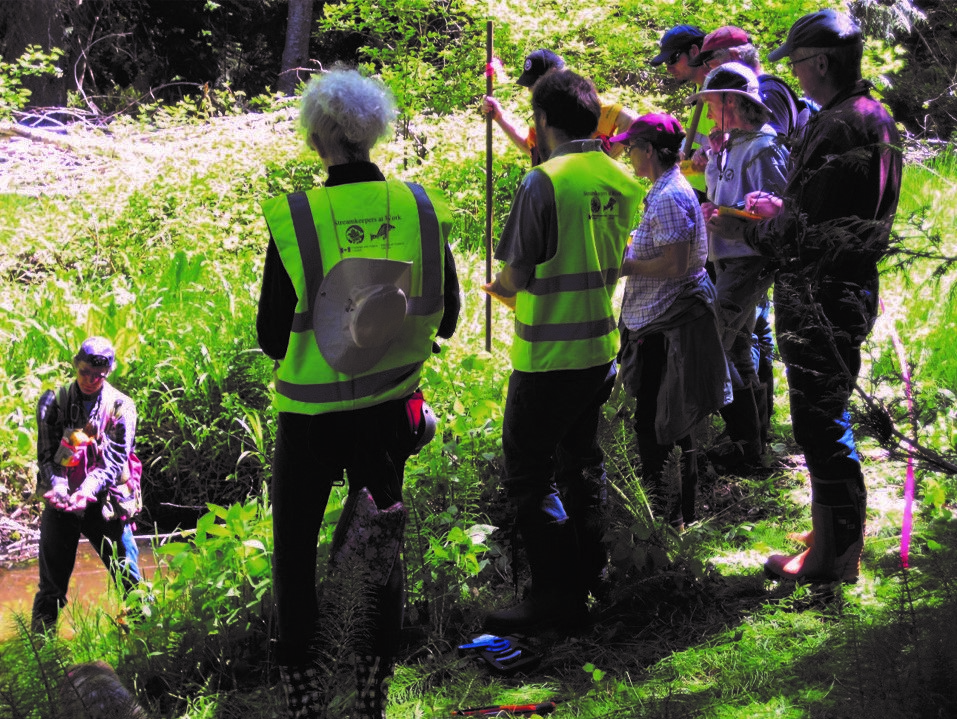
{"points": [[598, 209], [383, 231]]}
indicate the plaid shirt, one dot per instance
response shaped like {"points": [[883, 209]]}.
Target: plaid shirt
{"points": [[672, 214], [112, 412]]}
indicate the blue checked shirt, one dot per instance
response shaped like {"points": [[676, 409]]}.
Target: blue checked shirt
{"points": [[672, 214]]}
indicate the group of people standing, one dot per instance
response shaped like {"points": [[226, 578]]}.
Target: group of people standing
{"points": [[798, 193], [360, 281]]}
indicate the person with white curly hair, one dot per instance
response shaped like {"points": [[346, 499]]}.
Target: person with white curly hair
{"points": [[359, 280]]}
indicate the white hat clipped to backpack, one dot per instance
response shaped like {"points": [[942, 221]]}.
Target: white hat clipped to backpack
{"points": [[359, 311]]}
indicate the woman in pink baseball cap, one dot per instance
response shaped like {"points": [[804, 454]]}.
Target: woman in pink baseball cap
{"points": [[668, 312]]}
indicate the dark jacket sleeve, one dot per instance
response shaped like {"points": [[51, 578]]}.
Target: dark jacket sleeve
{"points": [[119, 431], [49, 434], [453, 297], [277, 305]]}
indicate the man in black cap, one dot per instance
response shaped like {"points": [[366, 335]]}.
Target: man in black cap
{"points": [[826, 237], [614, 117], [679, 47]]}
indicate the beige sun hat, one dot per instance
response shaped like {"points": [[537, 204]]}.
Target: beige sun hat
{"points": [[359, 311]]}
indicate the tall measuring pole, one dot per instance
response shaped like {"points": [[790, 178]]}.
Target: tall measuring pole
{"points": [[488, 188], [692, 129]]}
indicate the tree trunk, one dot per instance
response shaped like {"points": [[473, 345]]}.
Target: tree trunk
{"points": [[34, 22], [295, 54]]}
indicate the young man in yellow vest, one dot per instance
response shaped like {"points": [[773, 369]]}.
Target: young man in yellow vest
{"points": [[358, 282], [614, 117], [562, 247], [678, 49]]}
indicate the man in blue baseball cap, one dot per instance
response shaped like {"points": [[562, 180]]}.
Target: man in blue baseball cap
{"points": [[680, 42], [679, 48], [826, 236]]}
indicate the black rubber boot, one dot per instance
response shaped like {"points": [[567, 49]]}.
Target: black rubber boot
{"points": [[689, 480], [743, 450], [304, 693], [764, 418], [556, 599], [371, 691], [588, 506]]}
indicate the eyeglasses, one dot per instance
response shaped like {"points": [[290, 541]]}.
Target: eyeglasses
{"points": [[792, 63], [92, 374], [675, 56]]}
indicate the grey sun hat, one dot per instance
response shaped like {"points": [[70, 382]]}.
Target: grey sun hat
{"points": [[359, 311], [825, 28], [733, 78]]}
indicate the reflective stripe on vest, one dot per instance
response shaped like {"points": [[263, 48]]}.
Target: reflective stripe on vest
{"points": [[573, 283], [564, 318], [304, 381], [568, 331], [355, 389]]}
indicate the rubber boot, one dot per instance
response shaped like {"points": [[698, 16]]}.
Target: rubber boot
{"points": [[805, 538], [664, 494], [304, 693], [556, 599], [764, 418], [835, 552], [689, 480], [93, 689], [587, 504], [371, 692], [743, 450]]}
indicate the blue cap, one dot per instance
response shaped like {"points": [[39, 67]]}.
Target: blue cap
{"points": [[96, 351], [678, 38], [825, 28]]}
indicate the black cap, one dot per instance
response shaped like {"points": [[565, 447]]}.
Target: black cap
{"points": [[680, 37], [537, 64], [825, 28]]}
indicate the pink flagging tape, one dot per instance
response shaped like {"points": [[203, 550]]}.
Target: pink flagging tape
{"points": [[907, 524]]}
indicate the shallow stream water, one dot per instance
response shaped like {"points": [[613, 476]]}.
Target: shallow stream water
{"points": [[90, 587]]}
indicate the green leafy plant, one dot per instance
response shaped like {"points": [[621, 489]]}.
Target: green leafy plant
{"points": [[33, 62]]}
